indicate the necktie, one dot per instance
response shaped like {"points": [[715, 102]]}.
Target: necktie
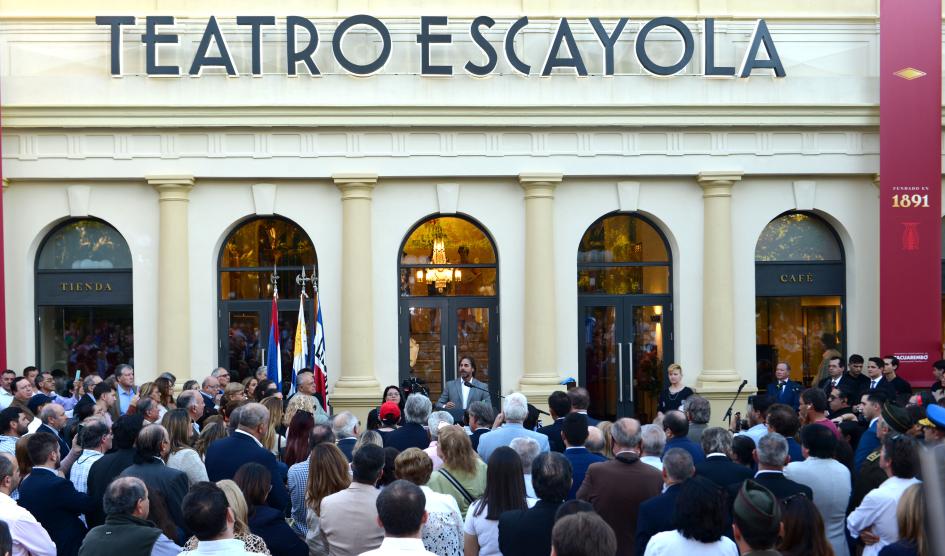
{"points": [[835, 381], [781, 386], [873, 384]]}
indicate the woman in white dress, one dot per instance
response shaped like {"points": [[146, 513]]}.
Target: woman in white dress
{"points": [[505, 490]]}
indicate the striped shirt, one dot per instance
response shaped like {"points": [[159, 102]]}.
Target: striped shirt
{"points": [[8, 444], [80, 469]]}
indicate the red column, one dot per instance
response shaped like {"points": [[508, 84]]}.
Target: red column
{"points": [[910, 198]]}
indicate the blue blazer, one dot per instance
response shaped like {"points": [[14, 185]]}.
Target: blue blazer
{"points": [[63, 447], [270, 525], [790, 395], [698, 456], [227, 455], [656, 515], [346, 445], [410, 435], [580, 459], [56, 504], [868, 442], [553, 432]]}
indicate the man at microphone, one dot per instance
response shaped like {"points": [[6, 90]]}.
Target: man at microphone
{"points": [[462, 391]]}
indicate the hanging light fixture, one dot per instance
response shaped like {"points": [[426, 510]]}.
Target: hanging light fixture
{"points": [[444, 275]]}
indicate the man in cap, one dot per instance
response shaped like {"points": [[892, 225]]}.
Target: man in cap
{"points": [[757, 520], [934, 425]]}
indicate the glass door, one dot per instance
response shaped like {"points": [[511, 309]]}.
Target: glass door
{"points": [[626, 346]]}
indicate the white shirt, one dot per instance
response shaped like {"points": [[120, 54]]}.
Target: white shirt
{"points": [[653, 461], [226, 547], [755, 433], [466, 390], [256, 440], [399, 547], [878, 510], [485, 530], [80, 469], [6, 399], [672, 543], [29, 537]]}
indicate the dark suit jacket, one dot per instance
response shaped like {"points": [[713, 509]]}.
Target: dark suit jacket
{"points": [[868, 442], [474, 438], [580, 459], [171, 483], [56, 504], [723, 471], [63, 447], [346, 445], [616, 488], [101, 474], [227, 455], [270, 524], [656, 515], [684, 443], [591, 422], [528, 532], [789, 395], [780, 486], [85, 400], [411, 435], [553, 432]]}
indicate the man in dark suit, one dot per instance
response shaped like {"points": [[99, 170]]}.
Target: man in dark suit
{"points": [[772, 455], [872, 409], [481, 417], [676, 427], [580, 402], [108, 467], [897, 384], [718, 466], [528, 532], [658, 514], [784, 421], [574, 434], [412, 434], [457, 396], [53, 417], [836, 375], [225, 456], [52, 500], [617, 487], [151, 449], [878, 382], [783, 389], [346, 428], [560, 405]]}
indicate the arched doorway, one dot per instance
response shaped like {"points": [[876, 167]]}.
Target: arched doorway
{"points": [[83, 299], [449, 302], [799, 289], [251, 253], [625, 312]]}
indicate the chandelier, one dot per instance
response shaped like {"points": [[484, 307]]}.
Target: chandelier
{"points": [[442, 276]]}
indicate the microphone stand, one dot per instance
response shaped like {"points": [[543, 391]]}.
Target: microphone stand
{"points": [[469, 384], [728, 413]]}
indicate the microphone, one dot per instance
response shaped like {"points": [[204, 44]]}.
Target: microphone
{"points": [[468, 384], [744, 384]]}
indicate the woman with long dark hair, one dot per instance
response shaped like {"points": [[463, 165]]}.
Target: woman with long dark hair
{"points": [[182, 456], [505, 490], [269, 523], [804, 533], [296, 443], [391, 394], [700, 523]]}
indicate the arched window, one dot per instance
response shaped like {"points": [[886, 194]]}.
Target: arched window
{"points": [[252, 253], [624, 279], [448, 283], [799, 288], [84, 299]]}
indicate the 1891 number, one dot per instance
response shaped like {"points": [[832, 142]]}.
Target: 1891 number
{"points": [[908, 201]]}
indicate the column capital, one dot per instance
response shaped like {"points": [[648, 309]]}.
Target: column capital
{"points": [[355, 185], [6, 183], [539, 184], [172, 187], [876, 181], [718, 183]]}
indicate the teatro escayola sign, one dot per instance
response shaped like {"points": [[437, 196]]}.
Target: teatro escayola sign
{"points": [[302, 40]]}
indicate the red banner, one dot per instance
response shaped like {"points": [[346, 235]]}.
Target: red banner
{"points": [[910, 115]]}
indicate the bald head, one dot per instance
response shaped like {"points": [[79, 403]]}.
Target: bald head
{"points": [[595, 440], [626, 435]]}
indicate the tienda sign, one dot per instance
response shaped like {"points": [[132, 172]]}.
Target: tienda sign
{"points": [[302, 41]]}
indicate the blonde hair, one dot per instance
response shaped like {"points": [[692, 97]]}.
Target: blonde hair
{"points": [[457, 450], [414, 465], [910, 516], [674, 367], [298, 402], [605, 427], [274, 405], [233, 388], [237, 503], [367, 437]]}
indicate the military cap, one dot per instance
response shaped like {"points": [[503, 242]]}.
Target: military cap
{"points": [[757, 505], [896, 417], [934, 417]]}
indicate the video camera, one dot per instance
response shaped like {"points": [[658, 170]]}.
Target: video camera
{"points": [[413, 385]]}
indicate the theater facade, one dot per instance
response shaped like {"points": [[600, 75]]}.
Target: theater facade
{"points": [[595, 192]]}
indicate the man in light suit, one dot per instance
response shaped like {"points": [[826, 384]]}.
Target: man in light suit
{"points": [[349, 517], [456, 396]]}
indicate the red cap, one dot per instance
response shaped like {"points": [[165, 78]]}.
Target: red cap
{"points": [[389, 410]]}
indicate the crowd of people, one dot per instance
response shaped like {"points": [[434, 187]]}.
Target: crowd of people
{"points": [[223, 466]]}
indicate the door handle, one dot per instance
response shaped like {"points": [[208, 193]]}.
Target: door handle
{"points": [[620, 372], [443, 364], [455, 362], [630, 354]]}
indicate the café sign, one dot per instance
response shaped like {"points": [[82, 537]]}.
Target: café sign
{"points": [[302, 40]]}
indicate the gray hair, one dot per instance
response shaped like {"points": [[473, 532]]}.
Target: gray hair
{"points": [[7, 465], [626, 432], [678, 464], [595, 440], [772, 450], [94, 430], [515, 408], [48, 412], [483, 413], [417, 409], [527, 450], [187, 399], [145, 405], [434, 420], [716, 440], [234, 422], [120, 369], [218, 371], [343, 424], [654, 440], [122, 495], [253, 415], [698, 409], [88, 383]]}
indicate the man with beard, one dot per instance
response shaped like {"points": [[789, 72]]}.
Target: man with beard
{"points": [[13, 424], [457, 395]]}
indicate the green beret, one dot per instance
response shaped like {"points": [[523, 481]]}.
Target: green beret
{"points": [[757, 506]]}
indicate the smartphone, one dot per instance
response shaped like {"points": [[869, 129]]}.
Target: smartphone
{"points": [[77, 374]]}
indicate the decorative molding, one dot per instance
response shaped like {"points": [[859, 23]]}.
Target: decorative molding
{"points": [[79, 197], [447, 197], [804, 194], [264, 198], [172, 187], [355, 185], [628, 196]]}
